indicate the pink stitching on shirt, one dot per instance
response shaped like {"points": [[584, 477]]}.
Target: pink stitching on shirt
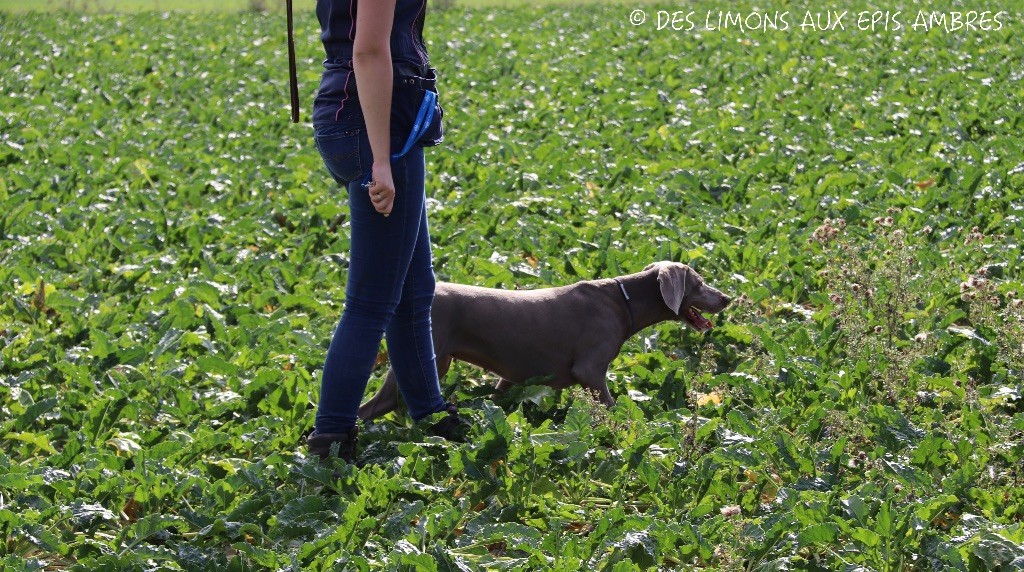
{"points": [[344, 99], [352, 18]]}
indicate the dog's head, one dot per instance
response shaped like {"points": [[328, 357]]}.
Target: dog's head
{"points": [[686, 294]]}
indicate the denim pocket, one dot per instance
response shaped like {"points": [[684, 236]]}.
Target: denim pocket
{"points": [[340, 146]]}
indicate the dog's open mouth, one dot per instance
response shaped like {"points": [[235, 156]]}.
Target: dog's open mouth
{"points": [[696, 320]]}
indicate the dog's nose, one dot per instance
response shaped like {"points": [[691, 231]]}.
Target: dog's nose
{"points": [[726, 300]]}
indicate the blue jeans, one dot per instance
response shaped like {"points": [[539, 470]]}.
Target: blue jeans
{"points": [[390, 281]]}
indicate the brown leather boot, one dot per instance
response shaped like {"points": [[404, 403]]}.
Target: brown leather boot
{"points": [[320, 444]]}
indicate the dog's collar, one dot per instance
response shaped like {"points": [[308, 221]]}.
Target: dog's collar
{"points": [[629, 308]]}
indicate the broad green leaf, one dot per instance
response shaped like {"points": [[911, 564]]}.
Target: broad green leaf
{"points": [[824, 533], [37, 440], [867, 537]]}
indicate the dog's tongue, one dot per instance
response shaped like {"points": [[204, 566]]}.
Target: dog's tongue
{"points": [[700, 322]]}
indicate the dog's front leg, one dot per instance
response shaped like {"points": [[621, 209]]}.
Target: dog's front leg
{"points": [[500, 388], [604, 394], [594, 378]]}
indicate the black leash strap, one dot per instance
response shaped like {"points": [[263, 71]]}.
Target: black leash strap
{"points": [[292, 75]]}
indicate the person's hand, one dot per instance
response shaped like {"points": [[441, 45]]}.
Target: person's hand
{"points": [[381, 188]]}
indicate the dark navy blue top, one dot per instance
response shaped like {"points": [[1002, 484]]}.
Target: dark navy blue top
{"points": [[338, 32]]}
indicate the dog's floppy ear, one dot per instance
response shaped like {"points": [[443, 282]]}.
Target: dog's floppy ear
{"points": [[672, 279]]}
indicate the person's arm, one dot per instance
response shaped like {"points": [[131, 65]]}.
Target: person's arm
{"points": [[375, 77]]}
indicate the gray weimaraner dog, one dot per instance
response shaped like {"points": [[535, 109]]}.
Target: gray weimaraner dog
{"points": [[569, 334]]}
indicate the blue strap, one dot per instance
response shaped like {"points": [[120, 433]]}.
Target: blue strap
{"points": [[423, 118]]}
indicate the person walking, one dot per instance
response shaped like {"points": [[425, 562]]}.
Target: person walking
{"points": [[372, 117]]}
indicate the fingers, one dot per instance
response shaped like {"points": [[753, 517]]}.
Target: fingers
{"points": [[381, 187], [382, 197]]}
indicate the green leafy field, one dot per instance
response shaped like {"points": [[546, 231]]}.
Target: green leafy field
{"points": [[172, 258]]}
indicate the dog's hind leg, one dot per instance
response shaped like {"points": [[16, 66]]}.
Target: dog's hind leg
{"points": [[443, 365], [384, 401]]}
